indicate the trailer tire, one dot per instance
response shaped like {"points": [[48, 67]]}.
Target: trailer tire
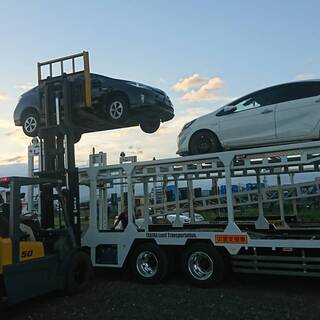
{"points": [[79, 274], [149, 263], [203, 265]]}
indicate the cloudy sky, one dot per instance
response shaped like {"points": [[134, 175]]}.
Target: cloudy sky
{"points": [[202, 53]]}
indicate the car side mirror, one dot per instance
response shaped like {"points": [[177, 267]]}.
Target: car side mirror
{"points": [[229, 109]]}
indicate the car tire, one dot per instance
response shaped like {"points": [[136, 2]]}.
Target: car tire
{"points": [[79, 274], [30, 123], [203, 265], [150, 126], [116, 109], [149, 263], [203, 142]]}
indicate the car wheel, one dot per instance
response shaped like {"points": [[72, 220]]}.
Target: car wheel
{"points": [[203, 265], [149, 263], [116, 109], [203, 142], [30, 123], [150, 126]]}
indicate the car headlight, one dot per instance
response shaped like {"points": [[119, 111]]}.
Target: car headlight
{"points": [[138, 85], [188, 124]]}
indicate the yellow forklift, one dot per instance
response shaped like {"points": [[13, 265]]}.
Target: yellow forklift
{"points": [[38, 259]]}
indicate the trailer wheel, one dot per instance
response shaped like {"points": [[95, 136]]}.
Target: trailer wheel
{"points": [[149, 263], [203, 265], [79, 274]]}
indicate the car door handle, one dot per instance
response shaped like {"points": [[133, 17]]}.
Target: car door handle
{"points": [[266, 111], [317, 101]]}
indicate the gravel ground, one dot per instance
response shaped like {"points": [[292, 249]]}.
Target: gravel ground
{"points": [[240, 297]]}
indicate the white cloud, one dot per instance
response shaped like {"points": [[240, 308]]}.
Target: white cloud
{"points": [[3, 96], [206, 92], [305, 76], [24, 86], [6, 124], [13, 160], [190, 82]]}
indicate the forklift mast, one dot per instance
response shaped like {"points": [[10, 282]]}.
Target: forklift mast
{"points": [[57, 97]]}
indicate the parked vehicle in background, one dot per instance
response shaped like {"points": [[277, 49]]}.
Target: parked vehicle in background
{"points": [[116, 104], [165, 219], [283, 113]]}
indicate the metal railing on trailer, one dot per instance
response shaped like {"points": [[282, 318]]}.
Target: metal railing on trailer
{"points": [[276, 160]]}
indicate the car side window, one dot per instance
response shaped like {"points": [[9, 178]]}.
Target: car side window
{"points": [[246, 104], [257, 99], [296, 91]]}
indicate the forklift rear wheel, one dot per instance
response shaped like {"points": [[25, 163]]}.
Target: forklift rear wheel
{"points": [[79, 274], [30, 123], [149, 263], [203, 265]]}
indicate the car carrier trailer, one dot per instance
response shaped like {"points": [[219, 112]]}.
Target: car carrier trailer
{"points": [[205, 252]]}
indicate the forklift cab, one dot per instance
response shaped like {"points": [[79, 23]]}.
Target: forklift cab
{"points": [[29, 224], [30, 267]]}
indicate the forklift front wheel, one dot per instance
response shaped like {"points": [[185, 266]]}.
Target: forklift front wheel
{"points": [[79, 274]]}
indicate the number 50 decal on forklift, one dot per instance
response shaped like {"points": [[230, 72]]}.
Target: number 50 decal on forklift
{"points": [[26, 254], [31, 250]]}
